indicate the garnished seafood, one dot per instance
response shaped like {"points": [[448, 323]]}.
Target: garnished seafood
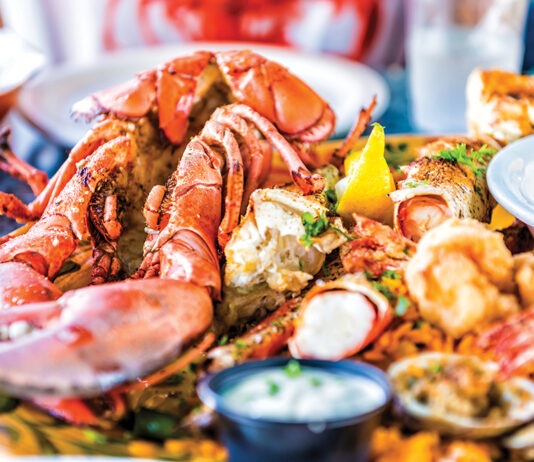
{"points": [[447, 181], [337, 319], [462, 277], [179, 96], [273, 251], [460, 395], [500, 105], [95, 338], [375, 248]]}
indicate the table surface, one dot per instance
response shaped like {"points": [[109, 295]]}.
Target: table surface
{"points": [[32, 146]]}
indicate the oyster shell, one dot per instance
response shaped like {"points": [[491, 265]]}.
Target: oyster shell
{"points": [[459, 395]]}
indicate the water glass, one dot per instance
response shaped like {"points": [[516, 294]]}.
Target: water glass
{"points": [[446, 40]]}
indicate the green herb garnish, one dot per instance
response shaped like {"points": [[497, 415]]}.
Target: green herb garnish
{"points": [[316, 382], [301, 264], [402, 305], [331, 199], [274, 388], [292, 368], [314, 227], [436, 368], [473, 160], [391, 274], [240, 344], [414, 184], [223, 340]]}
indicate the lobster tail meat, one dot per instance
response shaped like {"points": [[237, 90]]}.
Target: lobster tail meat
{"points": [[338, 319], [101, 338]]}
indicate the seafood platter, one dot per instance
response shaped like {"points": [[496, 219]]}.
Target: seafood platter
{"points": [[207, 278]]}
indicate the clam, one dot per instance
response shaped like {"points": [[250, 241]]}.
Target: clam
{"points": [[459, 395]]}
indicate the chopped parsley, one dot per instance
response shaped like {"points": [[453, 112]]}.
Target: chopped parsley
{"points": [[315, 382], [331, 199], [240, 344], [391, 274], [314, 227], [292, 368], [400, 302], [223, 340], [274, 388], [301, 264], [474, 160], [436, 368], [402, 305], [414, 184]]}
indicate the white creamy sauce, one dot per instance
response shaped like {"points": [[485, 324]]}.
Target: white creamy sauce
{"points": [[308, 395]]}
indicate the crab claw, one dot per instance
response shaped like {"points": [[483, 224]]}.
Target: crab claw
{"points": [[101, 338], [339, 319]]}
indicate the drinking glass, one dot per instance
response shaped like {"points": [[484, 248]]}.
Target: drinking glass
{"points": [[446, 40]]}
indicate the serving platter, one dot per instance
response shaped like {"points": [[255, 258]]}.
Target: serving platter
{"points": [[153, 430]]}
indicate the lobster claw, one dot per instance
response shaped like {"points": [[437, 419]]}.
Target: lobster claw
{"points": [[105, 335], [272, 90], [133, 98]]}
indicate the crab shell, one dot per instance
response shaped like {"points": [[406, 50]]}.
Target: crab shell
{"points": [[419, 415]]}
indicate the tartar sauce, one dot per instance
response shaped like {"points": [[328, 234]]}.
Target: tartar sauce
{"points": [[303, 394]]}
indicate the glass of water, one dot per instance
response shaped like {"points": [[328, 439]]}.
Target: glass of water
{"points": [[446, 40]]}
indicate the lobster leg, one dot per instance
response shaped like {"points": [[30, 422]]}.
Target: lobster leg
{"points": [[256, 168], [100, 134], [17, 168], [47, 245], [215, 133], [306, 181], [363, 120]]}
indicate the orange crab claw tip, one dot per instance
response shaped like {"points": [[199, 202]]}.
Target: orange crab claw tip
{"points": [[102, 338]]}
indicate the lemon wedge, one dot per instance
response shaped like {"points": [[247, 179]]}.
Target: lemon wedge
{"points": [[500, 218], [369, 181]]}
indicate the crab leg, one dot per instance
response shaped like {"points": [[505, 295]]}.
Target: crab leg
{"points": [[19, 169]]}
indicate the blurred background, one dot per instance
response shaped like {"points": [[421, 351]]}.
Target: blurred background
{"points": [[413, 54]]}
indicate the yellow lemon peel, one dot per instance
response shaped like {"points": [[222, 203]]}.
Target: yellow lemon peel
{"points": [[500, 218], [369, 181]]}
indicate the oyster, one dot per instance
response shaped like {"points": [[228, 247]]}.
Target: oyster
{"points": [[459, 395]]}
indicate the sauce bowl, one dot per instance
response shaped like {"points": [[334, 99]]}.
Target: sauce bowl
{"points": [[254, 439]]}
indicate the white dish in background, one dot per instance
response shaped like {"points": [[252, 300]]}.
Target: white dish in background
{"points": [[511, 179], [46, 101]]}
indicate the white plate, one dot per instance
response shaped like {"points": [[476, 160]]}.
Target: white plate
{"points": [[511, 179], [47, 99]]}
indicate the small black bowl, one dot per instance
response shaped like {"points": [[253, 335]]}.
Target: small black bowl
{"points": [[260, 440]]}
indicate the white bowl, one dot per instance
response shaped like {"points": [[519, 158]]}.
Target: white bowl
{"points": [[511, 179]]}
